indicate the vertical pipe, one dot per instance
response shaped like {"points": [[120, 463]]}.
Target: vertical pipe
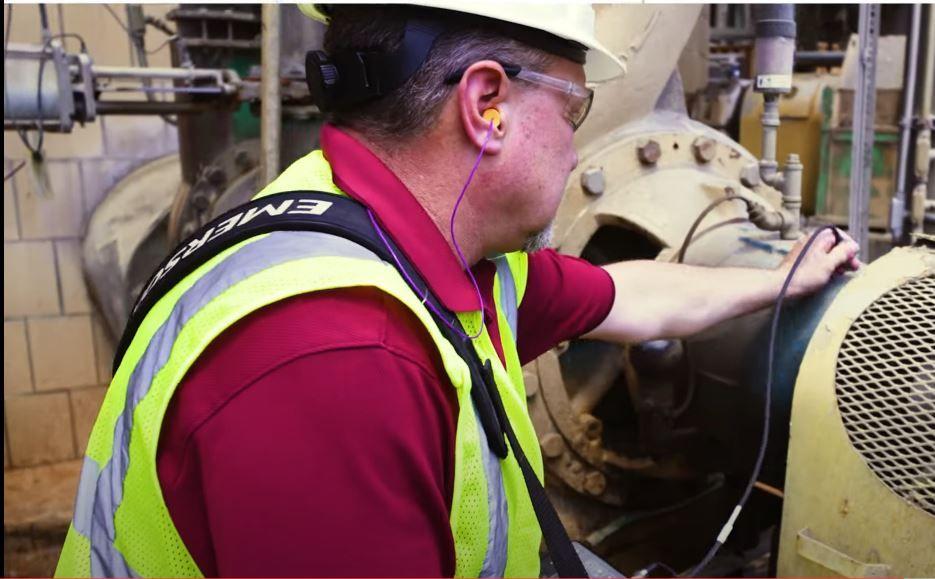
{"points": [[770, 122], [271, 105], [792, 195], [924, 193], [898, 206], [929, 70], [864, 112]]}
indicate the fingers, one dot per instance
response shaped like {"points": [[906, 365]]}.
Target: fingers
{"points": [[853, 263], [845, 254], [825, 241]]}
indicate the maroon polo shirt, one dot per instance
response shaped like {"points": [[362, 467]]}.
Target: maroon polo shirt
{"points": [[315, 437]]}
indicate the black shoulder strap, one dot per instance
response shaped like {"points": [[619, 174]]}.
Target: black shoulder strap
{"points": [[346, 218]]}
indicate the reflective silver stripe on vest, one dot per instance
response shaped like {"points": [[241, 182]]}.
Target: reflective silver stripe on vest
{"points": [[100, 493], [495, 558], [275, 249], [507, 292], [497, 516]]}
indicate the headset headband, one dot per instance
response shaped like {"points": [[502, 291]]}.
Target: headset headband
{"points": [[348, 78]]}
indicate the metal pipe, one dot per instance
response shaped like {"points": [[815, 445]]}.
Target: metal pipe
{"points": [[816, 58], [774, 47], [153, 108], [922, 194], [792, 196], [898, 204], [864, 109], [271, 104], [770, 121], [158, 72], [928, 85]]}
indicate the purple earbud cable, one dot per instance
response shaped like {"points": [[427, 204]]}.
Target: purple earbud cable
{"points": [[454, 241]]}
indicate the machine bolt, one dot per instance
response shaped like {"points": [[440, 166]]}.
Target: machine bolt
{"points": [[592, 426], [648, 151], [552, 445], [531, 381], [595, 483], [592, 181], [201, 201], [215, 176], [750, 175], [243, 160], [704, 149]]}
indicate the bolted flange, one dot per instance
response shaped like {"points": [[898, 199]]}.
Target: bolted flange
{"points": [[704, 149], [648, 151], [592, 181], [750, 175], [552, 445], [595, 483]]}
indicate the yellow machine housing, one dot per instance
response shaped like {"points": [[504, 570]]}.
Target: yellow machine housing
{"points": [[860, 478]]}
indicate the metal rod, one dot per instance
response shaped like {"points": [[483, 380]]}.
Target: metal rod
{"points": [[898, 205], [864, 111], [825, 58], [792, 195], [152, 108], [928, 85], [155, 72], [270, 103], [770, 122], [166, 89]]}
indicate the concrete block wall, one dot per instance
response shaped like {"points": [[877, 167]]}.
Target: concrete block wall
{"points": [[56, 352]]}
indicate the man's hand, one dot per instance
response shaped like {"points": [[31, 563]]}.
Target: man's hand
{"points": [[823, 260], [665, 300]]}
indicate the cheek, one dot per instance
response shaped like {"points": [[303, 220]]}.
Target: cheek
{"points": [[543, 157]]}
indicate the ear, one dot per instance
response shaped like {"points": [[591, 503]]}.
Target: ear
{"points": [[484, 85]]}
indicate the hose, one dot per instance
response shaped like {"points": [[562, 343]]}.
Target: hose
{"points": [[691, 230], [689, 237]]}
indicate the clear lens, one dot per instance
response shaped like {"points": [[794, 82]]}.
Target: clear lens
{"points": [[579, 97]]}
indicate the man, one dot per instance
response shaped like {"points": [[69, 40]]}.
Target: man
{"points": [[291, 408]]}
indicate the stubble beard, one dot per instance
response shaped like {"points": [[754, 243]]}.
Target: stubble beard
{"points": [[542, 239]]}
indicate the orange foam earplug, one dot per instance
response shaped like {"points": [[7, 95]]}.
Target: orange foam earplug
{"points": [[492, 115]]}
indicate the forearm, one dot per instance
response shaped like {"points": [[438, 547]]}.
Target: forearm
{"points": [[665, 300]]}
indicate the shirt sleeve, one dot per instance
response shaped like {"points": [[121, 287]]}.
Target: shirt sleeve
{"points": [[565, 297]]}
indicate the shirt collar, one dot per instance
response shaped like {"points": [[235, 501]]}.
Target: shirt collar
{"points": [[364, 177]]}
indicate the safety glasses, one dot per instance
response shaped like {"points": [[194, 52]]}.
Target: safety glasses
{"points": [[579, 98]]}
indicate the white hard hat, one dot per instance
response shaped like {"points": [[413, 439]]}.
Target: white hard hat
{"points": [[574, 22]]}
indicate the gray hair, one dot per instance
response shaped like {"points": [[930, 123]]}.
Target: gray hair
{"points": [[412, 108]]}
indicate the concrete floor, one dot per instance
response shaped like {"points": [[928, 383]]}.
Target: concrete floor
{"points": [[37, 507]]}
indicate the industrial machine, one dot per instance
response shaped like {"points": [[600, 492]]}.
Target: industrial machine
{"points": [[647, 446], [862, 502]]}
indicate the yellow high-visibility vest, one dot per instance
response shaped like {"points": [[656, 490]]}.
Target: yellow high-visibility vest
{"points": [[121, 525]]}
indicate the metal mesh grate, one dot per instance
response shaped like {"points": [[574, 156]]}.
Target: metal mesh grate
{"points": [[886, 389]]}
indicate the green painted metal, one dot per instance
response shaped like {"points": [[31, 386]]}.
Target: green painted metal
{"points": [[835, 163]]}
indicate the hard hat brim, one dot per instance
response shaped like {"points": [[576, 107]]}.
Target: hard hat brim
{"points": [[602, 65]]}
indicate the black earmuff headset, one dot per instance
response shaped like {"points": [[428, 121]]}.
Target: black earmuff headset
{"points": [[348, 78], [351, 77]]}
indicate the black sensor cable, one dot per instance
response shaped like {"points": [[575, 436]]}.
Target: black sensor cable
{"points": [[777, 308]]}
